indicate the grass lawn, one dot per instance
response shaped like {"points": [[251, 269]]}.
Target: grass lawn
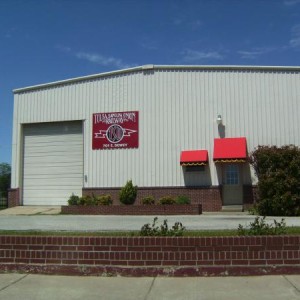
{"points": [[206, 233]]}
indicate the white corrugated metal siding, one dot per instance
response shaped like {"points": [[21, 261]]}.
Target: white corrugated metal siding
{"points": [[53, 162], [177, 111]]}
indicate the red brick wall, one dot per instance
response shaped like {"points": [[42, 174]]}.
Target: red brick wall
{"points": [[151, 256], [208, 197], [180, 209], [13, 197]]}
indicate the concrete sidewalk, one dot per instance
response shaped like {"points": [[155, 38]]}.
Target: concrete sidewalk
{"points": [[43, 287], [47, 218], [127, 223]]}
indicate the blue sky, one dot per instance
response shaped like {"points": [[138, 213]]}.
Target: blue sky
{"points": [[51, 40]]}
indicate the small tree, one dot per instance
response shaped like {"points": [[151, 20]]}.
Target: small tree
{"points": [[5, 173], [128, 193], [278, 174]]}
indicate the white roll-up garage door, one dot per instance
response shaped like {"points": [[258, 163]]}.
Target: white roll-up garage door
{"points": [[53, 162]]}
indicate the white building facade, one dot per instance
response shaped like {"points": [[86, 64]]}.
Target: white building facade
{"points": [[173, 130]]}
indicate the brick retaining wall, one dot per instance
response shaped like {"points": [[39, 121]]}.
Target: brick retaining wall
{"points": [[179, 209], [151, 256]]}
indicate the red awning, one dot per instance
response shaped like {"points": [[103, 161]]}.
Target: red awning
{"points": [[193, 158], [230, 150]]}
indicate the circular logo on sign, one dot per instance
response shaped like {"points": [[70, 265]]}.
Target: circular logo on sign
{"points": [[115, 133]]}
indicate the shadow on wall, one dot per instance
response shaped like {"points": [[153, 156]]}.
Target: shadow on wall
{"points": [[219, 173], [197, 178], [222, 131], [247, 179]]}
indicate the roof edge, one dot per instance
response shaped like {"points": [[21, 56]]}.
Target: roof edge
{"points": [[76, 79], [158, 67]]}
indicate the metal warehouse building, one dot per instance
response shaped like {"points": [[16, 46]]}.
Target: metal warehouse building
{"points": [[173, 130]]}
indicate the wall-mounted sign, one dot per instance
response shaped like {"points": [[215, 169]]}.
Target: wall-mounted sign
{"points": [[116, 130]]}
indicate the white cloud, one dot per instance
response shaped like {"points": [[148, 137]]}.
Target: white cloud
{"points": [[194, 56], [196, 24], [10, 32], [295, 38], [294, 43], [177, 21], [95, 58], [149, 44], [255, 52], [102, 60], [291, 2], [184, 21], [63, 48]]}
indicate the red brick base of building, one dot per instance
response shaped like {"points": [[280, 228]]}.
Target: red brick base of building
{"points": [[210, 198], [13, 197]]}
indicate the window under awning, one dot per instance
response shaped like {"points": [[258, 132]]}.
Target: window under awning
{"points": [[230, 150], [194, 158]]}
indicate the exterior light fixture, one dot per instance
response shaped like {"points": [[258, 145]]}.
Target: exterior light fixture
{"points": [[219, 119]]}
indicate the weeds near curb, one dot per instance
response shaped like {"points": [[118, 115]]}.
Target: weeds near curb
{"points": [[162, 230], [260, 227]]}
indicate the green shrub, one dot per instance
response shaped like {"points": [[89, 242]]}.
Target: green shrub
{"points": [[103, 200], [73, 200], [86, 200], [149, 200], [278, 174], [90, 200], [162, 230], [167, 200], [128, 193], [260, 227], [182, 200], [252, 211]]}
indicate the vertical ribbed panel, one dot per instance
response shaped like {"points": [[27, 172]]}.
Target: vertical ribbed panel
{"points": [[53, 162], [177, 111]]}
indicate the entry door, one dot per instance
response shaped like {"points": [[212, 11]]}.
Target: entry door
{"points": [[232, 185]]}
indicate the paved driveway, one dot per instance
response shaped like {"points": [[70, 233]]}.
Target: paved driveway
{"points": [[31, 210]]}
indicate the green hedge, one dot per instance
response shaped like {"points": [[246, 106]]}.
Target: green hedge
{"points": [[90, 200]]}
